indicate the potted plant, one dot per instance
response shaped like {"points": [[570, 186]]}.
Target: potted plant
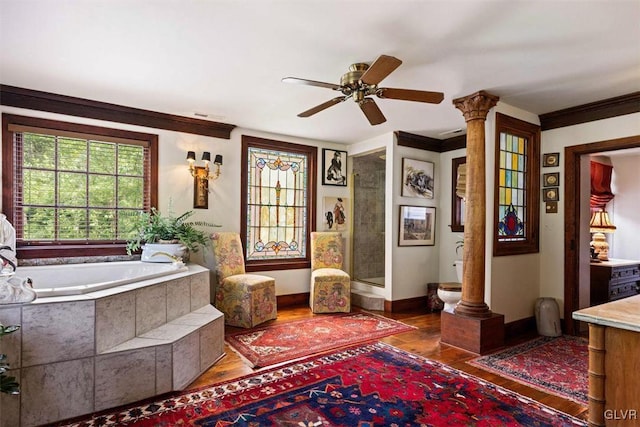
{"points": [[167, 235], [8, 384], [458, 263]]}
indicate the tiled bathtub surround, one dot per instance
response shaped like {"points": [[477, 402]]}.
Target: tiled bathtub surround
{"points": [[76, 355]]}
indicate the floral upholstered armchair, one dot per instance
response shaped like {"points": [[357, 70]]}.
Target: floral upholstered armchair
{"points": [[330, 286], [245, 299]]}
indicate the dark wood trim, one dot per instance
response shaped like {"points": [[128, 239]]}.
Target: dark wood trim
{"points": [[456, 202], [531, 132], [519, 328], [405, 305], [420, 142], [312, 152], [80, 107], [611, 107], [572, 216], [293, 300]]}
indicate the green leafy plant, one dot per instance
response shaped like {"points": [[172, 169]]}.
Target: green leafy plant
{"points": [[8, 384], [153, 227]]}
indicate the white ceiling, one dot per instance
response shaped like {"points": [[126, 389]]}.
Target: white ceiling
{"points": [[226, 58]]}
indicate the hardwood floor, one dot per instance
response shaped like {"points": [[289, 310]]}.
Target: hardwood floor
{"points": [[424, 341]]}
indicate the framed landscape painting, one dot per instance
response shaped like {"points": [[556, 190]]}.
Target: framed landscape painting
{"points": [[417, 226], [417, 178]]}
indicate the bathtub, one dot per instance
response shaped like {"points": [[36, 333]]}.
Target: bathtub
{"points": [[78, 279]]}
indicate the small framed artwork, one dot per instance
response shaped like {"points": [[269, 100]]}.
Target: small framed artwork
{"points": [[334, 167], [335, 211], [417, 178], [551, 160], [551, 179], [200, 189], [551, 207], [417, 226], [550, 194]]}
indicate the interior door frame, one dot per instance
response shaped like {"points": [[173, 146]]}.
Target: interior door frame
{"points": [[572, 218]]}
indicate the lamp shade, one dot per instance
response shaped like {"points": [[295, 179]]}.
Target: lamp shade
{"points": [[206, 156], [191, 156], [218, 160], [600, 223]]}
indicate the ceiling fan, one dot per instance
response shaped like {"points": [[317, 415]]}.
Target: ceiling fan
{"points": [[361, 82]]}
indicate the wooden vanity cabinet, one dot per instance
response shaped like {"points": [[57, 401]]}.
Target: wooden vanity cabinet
{"points": [[613, 280]]}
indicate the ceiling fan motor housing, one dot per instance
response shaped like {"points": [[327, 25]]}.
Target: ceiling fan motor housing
{"points": [[351, 84]]}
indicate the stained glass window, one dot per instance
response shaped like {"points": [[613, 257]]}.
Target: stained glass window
{"points": [[512, 188], [517, 186], [278, 201]]}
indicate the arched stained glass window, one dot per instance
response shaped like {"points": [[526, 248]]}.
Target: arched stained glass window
{"points": [[279, 205], [517, 186]]}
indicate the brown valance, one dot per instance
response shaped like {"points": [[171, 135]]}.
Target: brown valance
{"points": [[600, 185]]}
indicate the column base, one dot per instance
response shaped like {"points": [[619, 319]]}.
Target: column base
{"points": [[478, 335], [471, 309]]}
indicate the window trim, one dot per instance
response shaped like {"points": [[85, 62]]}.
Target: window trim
{"points": [[71, 249], [312, 152], [530, 131]]}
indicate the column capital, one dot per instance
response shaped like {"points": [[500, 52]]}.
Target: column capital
{"points": [[476, 106]]}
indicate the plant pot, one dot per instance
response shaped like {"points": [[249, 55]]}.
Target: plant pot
{"points": [[163, 252]]}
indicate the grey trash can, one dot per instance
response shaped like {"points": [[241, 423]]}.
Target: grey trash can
{"points": [[548, 317]]}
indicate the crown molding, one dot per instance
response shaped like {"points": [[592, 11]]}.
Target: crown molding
{"points": [[420, 142], [80, 107], [607, 108]]}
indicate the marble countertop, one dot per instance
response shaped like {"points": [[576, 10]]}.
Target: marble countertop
{"points": [[622, 314], [615, 263]]}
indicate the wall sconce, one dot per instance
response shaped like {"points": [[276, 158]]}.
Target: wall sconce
{"points": [[599, 224], [201, 176]]}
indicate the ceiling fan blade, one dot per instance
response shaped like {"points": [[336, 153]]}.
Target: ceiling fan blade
{"points": [[410, 95], [381, 68], [311, 83], [371, 110], [323, 106]]}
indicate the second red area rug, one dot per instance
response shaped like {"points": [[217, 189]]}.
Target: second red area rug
{"points": [[281, 342], [554, 365]]}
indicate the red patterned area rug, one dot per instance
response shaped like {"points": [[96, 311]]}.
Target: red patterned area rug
{"points": [[367, 385], [556, 365], [283, 342]]}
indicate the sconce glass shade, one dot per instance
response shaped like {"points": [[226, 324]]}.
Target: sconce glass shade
{"points": [[600, 223], [218, 160], [206, 156], [191, 156]]}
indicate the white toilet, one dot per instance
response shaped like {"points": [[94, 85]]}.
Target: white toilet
{"points": [[450, 293]]}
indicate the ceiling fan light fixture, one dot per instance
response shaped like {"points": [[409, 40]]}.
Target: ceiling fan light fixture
{"points": [[362, 81]]}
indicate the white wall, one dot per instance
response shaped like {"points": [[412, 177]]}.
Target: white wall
{"points": [[625, 207], [445, 238], [175, 184], [551, 269], [512, 283]]}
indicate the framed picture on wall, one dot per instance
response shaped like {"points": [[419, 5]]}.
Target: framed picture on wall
{"points": [[417, 226], [417, 178], [334, 213], [334, 167], [551, 179], [550, 160]]}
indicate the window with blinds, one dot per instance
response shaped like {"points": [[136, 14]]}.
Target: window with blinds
{"points": [[517, 200], [75, 184], [278, 209]]}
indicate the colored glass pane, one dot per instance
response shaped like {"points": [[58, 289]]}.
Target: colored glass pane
{"points": [[277, 217], [511, 182]]}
